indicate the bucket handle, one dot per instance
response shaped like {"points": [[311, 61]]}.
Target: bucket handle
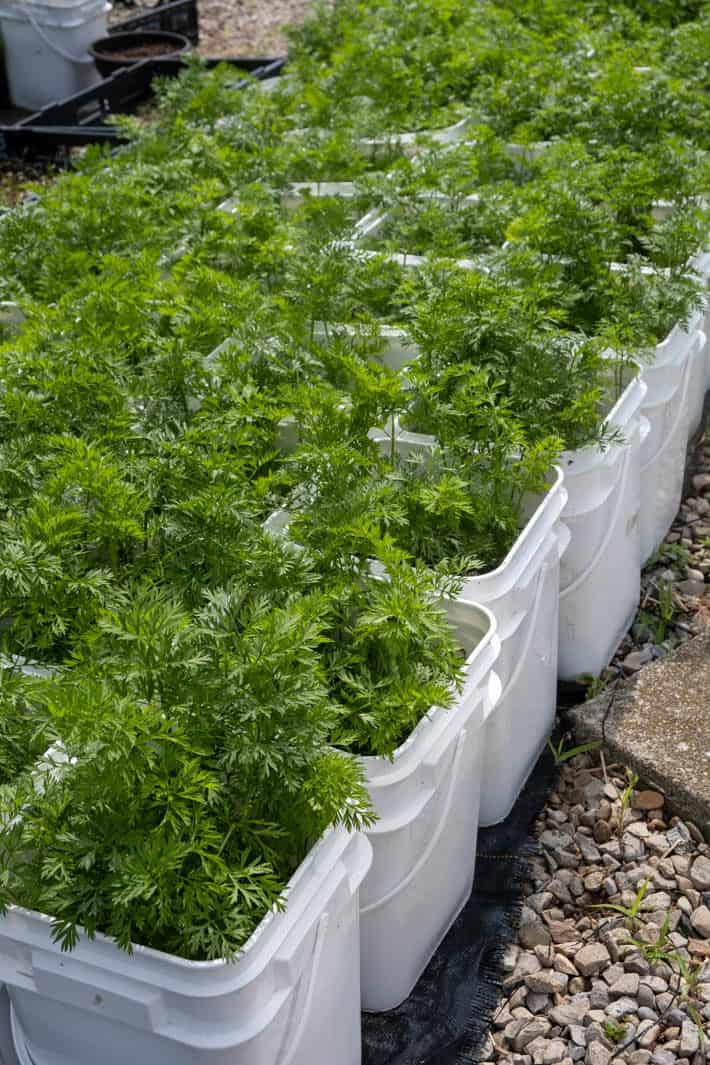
{"points": [[433, 842], [79, 60], [301, 1008]]}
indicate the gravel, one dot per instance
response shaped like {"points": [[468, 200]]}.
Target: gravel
{"points": [[585, 982]]}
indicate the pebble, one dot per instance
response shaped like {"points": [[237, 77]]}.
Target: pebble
{"points": [[621, 1007], [696, 589], [602, 832], [613, 973], [537, 1002], [647, 800], [626, 985], [574, 970], [578, 1035], [528, 1030], [556, 1050], [636, 659], [649, 1036], [689, 1039], [568, 1013], [592, 958], [700, 873], [636, 963], [597, 1054], [599, 997], [663, 1057], [700, 920], [657, 900], [547, 982], [532, 933]]}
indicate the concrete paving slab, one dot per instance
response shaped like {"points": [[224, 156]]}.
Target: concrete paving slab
{"points": [[658, 722]]}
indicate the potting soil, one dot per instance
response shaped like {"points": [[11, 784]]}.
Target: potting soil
{"points": [[447, 1017]]}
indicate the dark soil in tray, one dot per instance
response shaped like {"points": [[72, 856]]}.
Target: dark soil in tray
{"points": [[143, 51]]}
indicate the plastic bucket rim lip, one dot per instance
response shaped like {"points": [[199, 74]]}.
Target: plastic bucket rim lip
{"points": [[186, 965], [486, 644], [688, 331], [555, 489], [127, 36], [89, 11], [628, 399], [113, 59]]}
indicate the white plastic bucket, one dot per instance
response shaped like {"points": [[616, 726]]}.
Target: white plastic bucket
{"points": [[7, 1050], [46, 49], [523, 596], [424, 843], [397, 350], [11, 317], [701, 264], [301, 191], [410, 142], [673, 407], [600, 573], [291, 998]]}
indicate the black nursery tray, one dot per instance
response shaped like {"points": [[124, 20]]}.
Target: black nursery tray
{"points": [[178, 16], [86, 117]]}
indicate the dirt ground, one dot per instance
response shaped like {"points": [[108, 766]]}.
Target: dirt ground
{"points": [[238, 27], [247, 27]]}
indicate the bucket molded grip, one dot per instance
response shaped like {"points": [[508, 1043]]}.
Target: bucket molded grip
{"points": [[128, 1001], [436, 835], [303, 998]]}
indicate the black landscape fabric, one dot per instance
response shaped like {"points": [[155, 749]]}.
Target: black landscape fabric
{"points": [[445, 1019]]}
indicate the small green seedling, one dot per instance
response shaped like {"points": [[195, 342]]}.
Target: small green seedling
{"points": [[632, 779], [631, 913], [615, 1032], [562, 754], [595, 685], [690, 978], [675, 554], [656, 951]]}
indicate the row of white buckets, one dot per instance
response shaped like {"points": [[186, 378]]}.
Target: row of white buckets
{"points": [[366, 912], [46, 48]]}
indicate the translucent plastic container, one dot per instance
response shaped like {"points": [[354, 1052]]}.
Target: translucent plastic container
{"points": [[701, 263], [11, 317]]}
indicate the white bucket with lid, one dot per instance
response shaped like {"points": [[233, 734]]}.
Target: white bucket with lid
{"points": [[47, 48]]}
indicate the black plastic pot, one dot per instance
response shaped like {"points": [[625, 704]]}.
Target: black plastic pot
{"points": [[124, 49]]}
